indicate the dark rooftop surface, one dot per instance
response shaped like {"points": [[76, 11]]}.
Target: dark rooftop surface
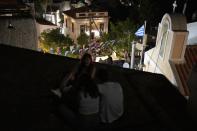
{"points": [[8, 2], [52, 9], [151, 102], [184, 69], [22, 33], [44, 22]]}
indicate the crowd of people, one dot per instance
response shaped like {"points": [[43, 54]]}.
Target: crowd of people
{"points": [[88, 98]]}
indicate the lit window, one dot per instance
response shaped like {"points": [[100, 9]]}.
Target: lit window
{"points": [[92, 14], [82, 14], [101, 14], [72, 27], [82, 28], [102, 27], [66, 22]]}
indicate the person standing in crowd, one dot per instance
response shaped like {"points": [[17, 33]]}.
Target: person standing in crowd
{"points": [[111, 104], [125, 64], [110, 60]]}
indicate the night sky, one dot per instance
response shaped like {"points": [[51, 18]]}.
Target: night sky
{"points": [[117, 11], [121, 12]]}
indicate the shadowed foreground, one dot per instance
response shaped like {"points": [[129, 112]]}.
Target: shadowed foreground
{"points": [[151, 101]]}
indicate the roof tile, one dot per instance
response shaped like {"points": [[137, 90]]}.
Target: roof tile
{"points": [[185, 68]]}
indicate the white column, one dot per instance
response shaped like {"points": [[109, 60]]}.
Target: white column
{"points": [[142, 52], [132, 55]]}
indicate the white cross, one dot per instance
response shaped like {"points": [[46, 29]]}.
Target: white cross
{"points": [[174, 6]]}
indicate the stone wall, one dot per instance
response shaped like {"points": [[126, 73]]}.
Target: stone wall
{"points": [[23, 33]]}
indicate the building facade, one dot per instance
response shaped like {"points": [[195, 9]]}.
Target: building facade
{"points": [[85, 20], [17, 26], [172, 56]]}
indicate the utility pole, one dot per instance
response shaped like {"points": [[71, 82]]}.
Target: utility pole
{"points": [[143, 47], [90, 25]]}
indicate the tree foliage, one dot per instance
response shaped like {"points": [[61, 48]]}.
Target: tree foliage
{"points": [[38, 8], [105, 37], [83, 39], [120, 35], [53, 39]]}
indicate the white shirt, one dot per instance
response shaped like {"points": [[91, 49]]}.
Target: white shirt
{"points": [[111, 101], [126, 65], [88, 105]]}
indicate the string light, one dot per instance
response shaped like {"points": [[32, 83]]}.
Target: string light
{"points": [[127, 2]]}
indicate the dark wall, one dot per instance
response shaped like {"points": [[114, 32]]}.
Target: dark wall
{"points": [[192, 83], [151, 102]]}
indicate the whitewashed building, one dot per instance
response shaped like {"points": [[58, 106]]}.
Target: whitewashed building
{"points": [[85, 20], [172, 56]]}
